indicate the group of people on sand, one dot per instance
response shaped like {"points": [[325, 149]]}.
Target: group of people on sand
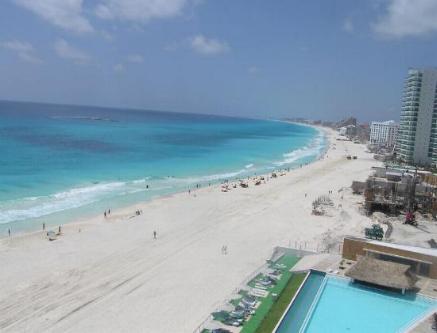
{"points": [[257, 180], [197, 187], [105, 214], [224, 249], [138, 212]]}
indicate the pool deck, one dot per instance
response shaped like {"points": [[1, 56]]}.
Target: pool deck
{"points": [[323, 262], [424, 326], [427, 287]]}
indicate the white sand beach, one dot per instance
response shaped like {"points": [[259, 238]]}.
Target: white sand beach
{"points": [[112, 276]]}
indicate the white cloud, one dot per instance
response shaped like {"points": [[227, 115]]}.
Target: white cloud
{"points": [[66, 51], [18, 46], [407, 18], [135, 58], [24, 50], [29, 57], [208, 46], [348, 25], [66, 14], [140, 10]]}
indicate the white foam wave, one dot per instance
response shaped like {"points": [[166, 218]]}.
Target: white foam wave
{"points": [[40, 206], [141, 181], [33, 207], [314, 149], [207, 178]]}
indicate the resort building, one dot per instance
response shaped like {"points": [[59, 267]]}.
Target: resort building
{"points": [[383, 133], [349, 130], [421, 261], [417, 135]]}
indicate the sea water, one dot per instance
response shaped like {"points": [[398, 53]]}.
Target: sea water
{"points": [[59, 163]]}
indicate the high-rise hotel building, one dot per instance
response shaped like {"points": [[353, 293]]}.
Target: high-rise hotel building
{"points": [[383, 133], [417, 136]]}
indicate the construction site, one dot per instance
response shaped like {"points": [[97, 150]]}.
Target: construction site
{"points": [[397, 190]]}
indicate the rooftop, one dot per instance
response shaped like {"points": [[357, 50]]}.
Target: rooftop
{"points": [[382, 273], [416, 249]]}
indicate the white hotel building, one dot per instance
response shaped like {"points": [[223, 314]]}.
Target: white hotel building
{"points": [[383, 133], [417, 137]]}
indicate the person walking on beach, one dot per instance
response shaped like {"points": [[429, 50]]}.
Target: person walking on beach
{"points": [[109, 211], [9, 232], [104, 214], [154, 234]]}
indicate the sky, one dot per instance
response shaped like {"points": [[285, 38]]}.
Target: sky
{"points": [[317, 59]]}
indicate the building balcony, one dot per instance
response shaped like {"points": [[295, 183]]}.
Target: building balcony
{"points": [[410, 108], [412, 89], [410, 99]]}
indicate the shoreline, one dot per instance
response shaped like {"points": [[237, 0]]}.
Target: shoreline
{"points": [[132, 207], [113, 276]]}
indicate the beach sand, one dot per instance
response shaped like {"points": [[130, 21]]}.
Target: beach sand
{"points": [[113, 276]]}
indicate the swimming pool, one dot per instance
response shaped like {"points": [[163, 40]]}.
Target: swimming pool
{"points": [[332, 304]]}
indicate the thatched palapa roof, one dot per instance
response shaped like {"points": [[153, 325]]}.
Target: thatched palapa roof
{"points": [[382, 273]]}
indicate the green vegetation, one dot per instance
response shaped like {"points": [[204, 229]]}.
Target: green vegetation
{"points": [[278, 308], [267, 303], [271, 307]]}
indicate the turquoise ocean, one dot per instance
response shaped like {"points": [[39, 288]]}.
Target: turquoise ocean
{"points": [[59, 162]]}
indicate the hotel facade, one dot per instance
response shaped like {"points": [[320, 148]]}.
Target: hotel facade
{"points": [[417, 135], [383, 133]]}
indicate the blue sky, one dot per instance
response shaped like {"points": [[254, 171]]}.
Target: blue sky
{"points": [[316, 58]]}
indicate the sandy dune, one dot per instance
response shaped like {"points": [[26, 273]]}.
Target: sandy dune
{"points": [[112, 276]]}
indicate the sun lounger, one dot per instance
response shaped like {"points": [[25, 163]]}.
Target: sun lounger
{"points": [[249, 300], [257, 292], [260, 286]]}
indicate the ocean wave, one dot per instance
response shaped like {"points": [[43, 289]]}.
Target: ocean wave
{"points": [[141, 181], [314, 149], [34, 207], [40, 206], [207, 178]]}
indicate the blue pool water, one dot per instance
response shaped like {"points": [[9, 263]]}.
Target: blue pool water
{"points": [[343, 306], [295, 317], [60, 162]]}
